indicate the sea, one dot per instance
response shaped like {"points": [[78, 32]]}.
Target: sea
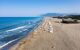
{"points": [[13, 29]]}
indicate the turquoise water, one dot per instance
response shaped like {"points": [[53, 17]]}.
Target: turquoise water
{"points": [[12, 28]]}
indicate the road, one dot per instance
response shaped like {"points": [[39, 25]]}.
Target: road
{"points": [[52, 35]]}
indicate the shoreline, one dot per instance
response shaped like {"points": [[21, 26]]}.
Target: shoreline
{"points": [[10, 44], [30, 35], [51, 35], [29, 38]]}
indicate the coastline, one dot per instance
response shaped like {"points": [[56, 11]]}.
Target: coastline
{"points": [[27, 38], [32, 37], [8, 45], [60, 36]]}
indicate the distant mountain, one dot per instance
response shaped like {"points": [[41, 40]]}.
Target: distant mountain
{"points": [[58, 14], [52, 14]]}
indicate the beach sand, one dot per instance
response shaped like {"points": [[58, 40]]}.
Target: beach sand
{"points": [[51, 35]]}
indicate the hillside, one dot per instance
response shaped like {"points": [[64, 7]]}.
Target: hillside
{"points": [[74, 16]]}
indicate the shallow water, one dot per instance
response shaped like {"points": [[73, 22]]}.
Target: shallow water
{"points": [[12, 28]]}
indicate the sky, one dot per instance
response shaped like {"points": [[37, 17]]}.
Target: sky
{"points": [[37, 7]]}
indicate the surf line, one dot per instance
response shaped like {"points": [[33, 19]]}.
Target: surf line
{"points": [[8, 43]]}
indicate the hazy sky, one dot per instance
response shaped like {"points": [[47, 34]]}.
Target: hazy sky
{"points": [[37, 7]]}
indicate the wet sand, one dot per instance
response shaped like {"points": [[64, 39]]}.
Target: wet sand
{"points": [[51, 35]]}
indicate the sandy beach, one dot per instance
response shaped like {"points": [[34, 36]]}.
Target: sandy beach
{"points": [[51, 35]]}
